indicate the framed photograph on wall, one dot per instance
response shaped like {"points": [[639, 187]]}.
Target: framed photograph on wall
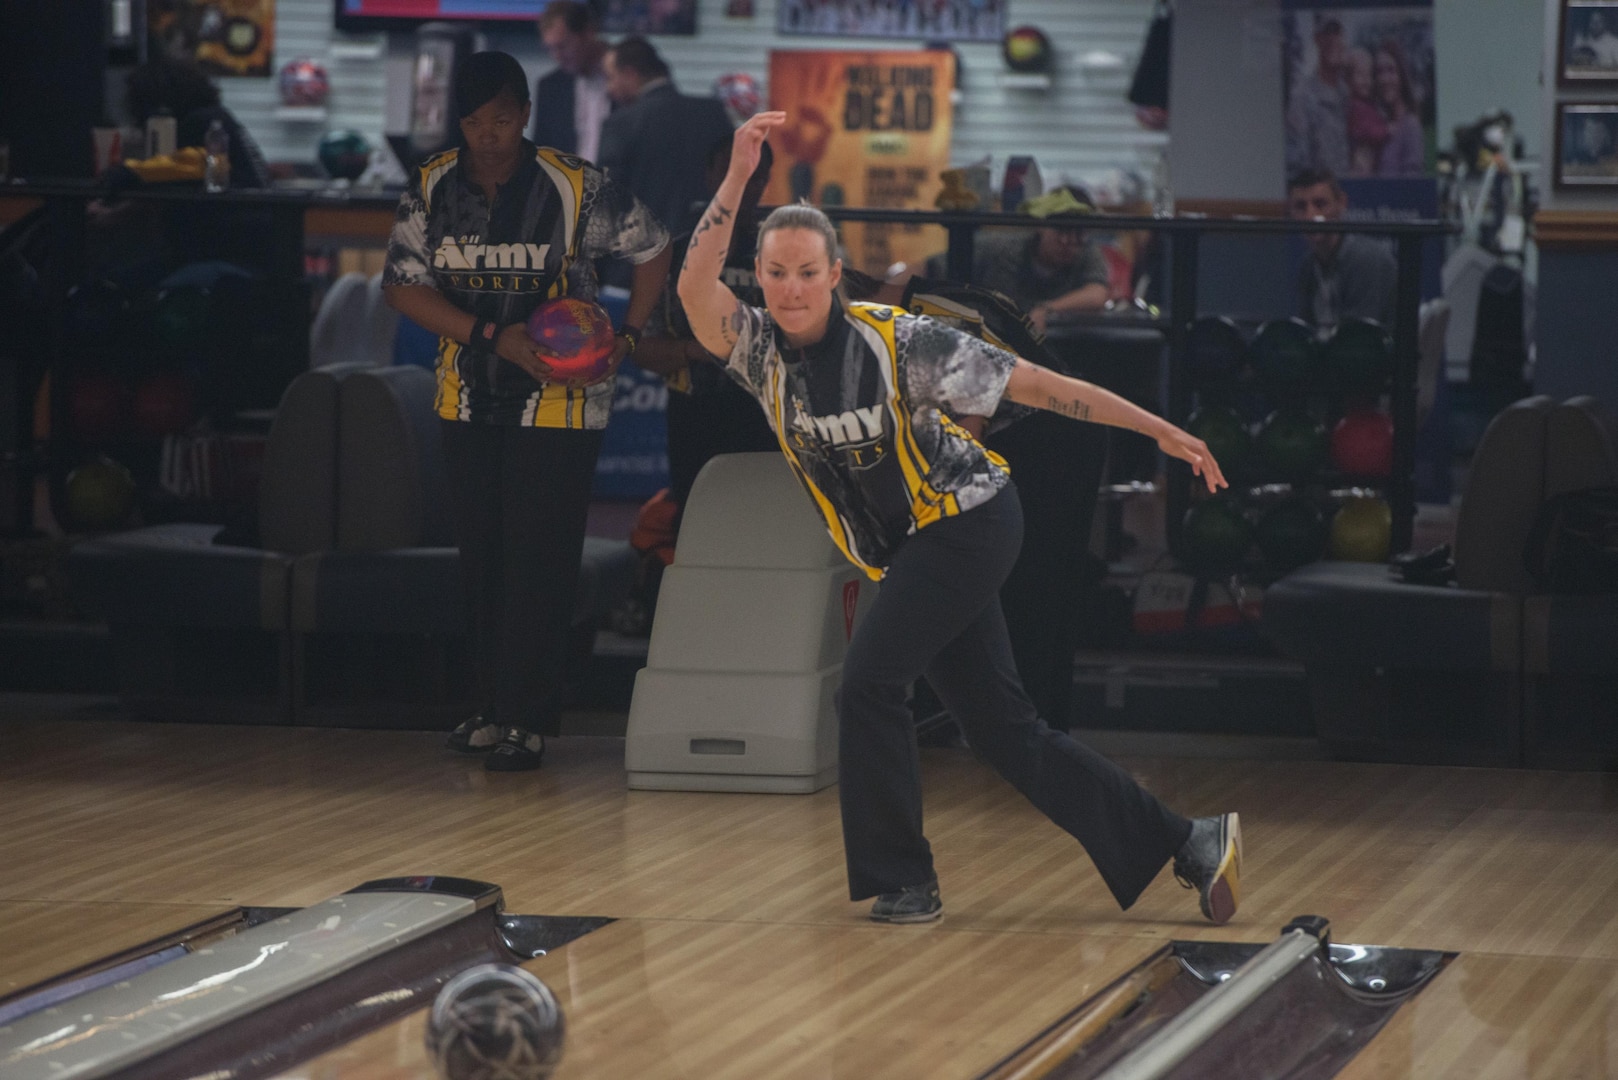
{"points": [[1586, 145], [939, 20], [1587, 43], [648, 16]]}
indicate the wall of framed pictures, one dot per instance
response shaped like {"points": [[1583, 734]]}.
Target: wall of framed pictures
{"points": [[1080, 126], [1581, 104]]}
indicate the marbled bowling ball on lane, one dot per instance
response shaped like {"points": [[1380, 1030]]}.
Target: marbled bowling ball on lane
{"points": [[495, 1022], [579, 333]]}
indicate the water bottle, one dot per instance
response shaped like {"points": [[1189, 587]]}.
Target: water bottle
{"points": [[1162, 189], [216, 166], [160, 134]]}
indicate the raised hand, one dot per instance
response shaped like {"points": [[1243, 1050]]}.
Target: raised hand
{"points": [[745, 144]]}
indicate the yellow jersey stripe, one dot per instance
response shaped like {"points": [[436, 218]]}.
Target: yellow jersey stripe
{"points": [[834, 521], [569, 183], [451, 402], [432, 171], [926, 504]]}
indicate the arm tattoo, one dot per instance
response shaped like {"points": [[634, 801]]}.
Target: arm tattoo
{"points": [[1077, 410], [730, 327], [717, 215]]}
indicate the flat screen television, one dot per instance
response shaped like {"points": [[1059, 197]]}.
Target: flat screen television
{"points": [[616, 16], [360, 15]]}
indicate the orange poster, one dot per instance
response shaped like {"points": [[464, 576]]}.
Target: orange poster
{"points": [[865, 129]]}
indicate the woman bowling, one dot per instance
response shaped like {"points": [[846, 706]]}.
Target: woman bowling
{"points": [[864, 400]]}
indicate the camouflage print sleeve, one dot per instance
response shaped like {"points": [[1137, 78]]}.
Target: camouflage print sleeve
{"points": [[617, 223], [750, 326], [950, 370], [409, 260]]}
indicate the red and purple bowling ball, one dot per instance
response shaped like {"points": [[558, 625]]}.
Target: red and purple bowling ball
{"points": [[580, 335]]}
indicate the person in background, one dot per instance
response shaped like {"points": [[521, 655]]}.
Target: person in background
{"points": [[1345, 275], [187, 94], [708, 412], [1055, 271], [1317, 120], [657, 143], [1367, 126], [571, 103], [1058, 465], [483, 236], [1406, 151]]}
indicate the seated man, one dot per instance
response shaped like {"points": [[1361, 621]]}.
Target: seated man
{"points": [[1346, 275], [1053, 272]]}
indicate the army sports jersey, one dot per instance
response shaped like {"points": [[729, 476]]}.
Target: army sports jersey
{"points": [[537, 240], [982, 312], [864, 419]]}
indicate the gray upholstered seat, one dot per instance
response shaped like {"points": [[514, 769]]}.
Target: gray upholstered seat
{"points": [[1570, 642], [379, 621], [198, 627], [1425, 673]]}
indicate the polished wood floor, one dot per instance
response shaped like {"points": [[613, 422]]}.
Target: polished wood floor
{"points": [[736, 954]]}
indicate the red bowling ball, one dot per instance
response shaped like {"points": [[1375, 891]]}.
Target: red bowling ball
{"points": [[165, 404], [99, 408], [1362, 443]]}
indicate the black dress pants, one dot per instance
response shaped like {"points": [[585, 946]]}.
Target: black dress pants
{"points": [[521, 495], [938, 614]]}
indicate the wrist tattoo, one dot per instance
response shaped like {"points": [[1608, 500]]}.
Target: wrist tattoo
{"points": [[1077, 410]]}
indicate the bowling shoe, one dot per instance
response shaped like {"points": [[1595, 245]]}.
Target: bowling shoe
{"points": [[516, 751], [1210, 861], [913, 904], [474, 736]]}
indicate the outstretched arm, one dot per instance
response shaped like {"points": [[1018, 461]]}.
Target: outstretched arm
{"points": [[712, 308], [1042, 388]]}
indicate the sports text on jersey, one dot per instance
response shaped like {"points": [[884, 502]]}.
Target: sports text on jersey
{"points": [[468, 254], [479, 260]]}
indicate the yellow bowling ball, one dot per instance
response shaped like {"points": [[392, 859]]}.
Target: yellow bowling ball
{"points": [[1362, 531]]}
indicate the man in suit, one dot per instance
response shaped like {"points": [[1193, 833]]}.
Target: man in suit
{"points": [[571, 103], [657, 142]]}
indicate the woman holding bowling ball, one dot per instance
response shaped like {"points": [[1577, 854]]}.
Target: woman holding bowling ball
{"points": [[485, 235], [863, 399]]}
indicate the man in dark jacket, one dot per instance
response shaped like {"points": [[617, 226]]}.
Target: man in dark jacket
{"points": [[571, 102], [657, 142]]}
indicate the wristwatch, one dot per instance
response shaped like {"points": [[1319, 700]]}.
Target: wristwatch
{"points": [[630, 334]]}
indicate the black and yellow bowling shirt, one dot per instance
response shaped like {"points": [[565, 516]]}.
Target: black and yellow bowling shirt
{"points": [[537, 240], [864, 417]]}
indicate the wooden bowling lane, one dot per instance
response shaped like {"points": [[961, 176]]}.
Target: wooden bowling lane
{"points": [[39, 940], [1494, 1017], [689, 999]]}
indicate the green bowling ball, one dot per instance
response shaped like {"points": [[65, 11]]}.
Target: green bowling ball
{"points": [[1215, 537], [180, 316], [1293, 445], [100, 494], [1358, 357], [1362, 531], [1227, 437], [1285, 355], [344, 154], [1215, 349], [1290, 534]]}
